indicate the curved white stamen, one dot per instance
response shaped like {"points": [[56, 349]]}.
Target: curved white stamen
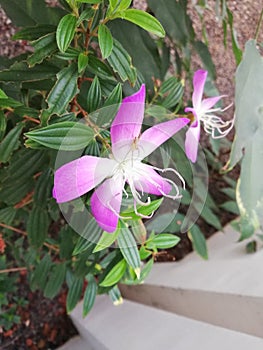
{"points": [[125, 192], [177, 196], [214, 124], [174, 171], [116, 213], [136, 194]]}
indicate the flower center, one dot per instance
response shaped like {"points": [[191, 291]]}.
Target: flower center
{"points": [[132, 172]]}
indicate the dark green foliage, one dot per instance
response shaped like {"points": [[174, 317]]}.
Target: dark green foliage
{"points": [[60, 100]]}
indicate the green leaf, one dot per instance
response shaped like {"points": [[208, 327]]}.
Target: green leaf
{"points": [[74, 294], [29, 13], [90, 236], [198, 240], [144, 46], [143, 20], [139, 231], [175, 19], [85, 15], [44, 48], [128, 248], [3, 124], [235, 46], [20, 72], [7, 215], [90, 1], [67, 136], [40, 274], [146, 269], [37, 226], [206, 58], [119, 5], [246, 227], [115, 274], [89, 295], [83, 61], [82, 245], [230, 192], [163, 241], [10, 143], [121, 63], [208, 215], [43, 188], [64, 90], [106, 240], [249, 135], [172, 91], [144, 253], [3, 94], [55, 281], [230, 206], [71, 54], [97, 67], [9, 102], [14, 192], [104, 116], [65, 31], [34, 33], [115, 296], [94, 95], [25, 164], [66, 235], [144, 210], [105, 40]]}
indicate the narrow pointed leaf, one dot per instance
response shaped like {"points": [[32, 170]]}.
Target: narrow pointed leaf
{"points": [[128, 247], [198, 240], [110, 108], [94, 95], [106, 240], [115, 274], [43, 48], [143, 20], [10, 143], [74, 294], [7, 215], [121, 63], [105, 40], [55, 281], [89, 295], [41, 273], [37, 226], [164, 241], [65, 31], [144, 210], [83, 61], [20, 72], [64, 90], [2, 94], [34, 33], [115, 296], [68, 136]]}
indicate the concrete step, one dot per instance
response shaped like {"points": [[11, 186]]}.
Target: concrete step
{"points": [[75, 343], [226, 290], [133, 326]]}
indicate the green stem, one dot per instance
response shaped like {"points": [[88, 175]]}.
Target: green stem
{"points": [[259, 25]]}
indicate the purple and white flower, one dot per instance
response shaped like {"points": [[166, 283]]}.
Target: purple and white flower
{"points": [[202, 111], [108, 176]]}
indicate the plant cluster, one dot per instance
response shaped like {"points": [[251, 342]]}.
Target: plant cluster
{"points": [[66, 130]]}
